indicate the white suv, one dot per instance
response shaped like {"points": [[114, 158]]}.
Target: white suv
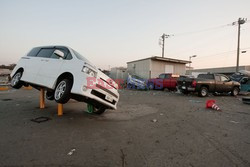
{"points": [[65, 74]]}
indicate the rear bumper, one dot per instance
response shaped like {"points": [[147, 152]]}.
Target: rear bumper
{"points": [[189, 89]]}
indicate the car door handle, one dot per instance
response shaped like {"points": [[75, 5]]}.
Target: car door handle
{"points": [[45, 60]]}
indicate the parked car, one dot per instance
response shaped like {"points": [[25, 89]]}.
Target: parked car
{"points": [[65, 74], [165, 80], [206, 83], [136, 82], [243, 78]]}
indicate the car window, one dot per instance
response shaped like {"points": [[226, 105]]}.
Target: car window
{"points": [[223, 78], [46, 53], [33, 52], [69, 56], [167, 76], [244, 81], [248, 82], [206, 76], [217, 78], [162, 76], [136, 77], [66, 52]]}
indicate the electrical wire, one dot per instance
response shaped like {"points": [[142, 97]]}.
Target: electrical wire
{"points": [[202, 30]]}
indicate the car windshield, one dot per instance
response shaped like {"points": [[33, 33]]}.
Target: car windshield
{"points": [[136, 77], [79, 56]]}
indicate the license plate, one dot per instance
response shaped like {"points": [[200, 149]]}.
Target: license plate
{"points": [[183, 87], [109, 98]]}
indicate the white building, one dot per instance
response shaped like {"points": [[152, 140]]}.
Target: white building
{"points": [[154, 66]]}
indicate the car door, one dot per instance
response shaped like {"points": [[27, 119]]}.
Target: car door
{"points": [[227, 84], [51, 65], [32, 65], [219, 87], [167, 81]]}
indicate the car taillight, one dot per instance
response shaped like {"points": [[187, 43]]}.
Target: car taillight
{"points": [[194, 83]]}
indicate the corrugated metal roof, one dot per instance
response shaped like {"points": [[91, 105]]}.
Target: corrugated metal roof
{"points": [[156, 58]]}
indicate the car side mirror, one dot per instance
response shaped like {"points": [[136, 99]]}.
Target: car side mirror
{"points": [[59, 53]]}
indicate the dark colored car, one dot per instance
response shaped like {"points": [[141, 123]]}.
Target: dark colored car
{"points": [[206, 83], [243, 79], [164, 80]]}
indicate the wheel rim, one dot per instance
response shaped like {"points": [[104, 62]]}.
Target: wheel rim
{"points": [[60, 89], [16, 79], [203, 92], [235, 91], [151, 86]]}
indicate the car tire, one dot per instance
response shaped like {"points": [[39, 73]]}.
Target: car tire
{"points": [[16, 80], [235, 91], [151, 86], [50, 95], [185, 92], [62, 91], [203, 91]]}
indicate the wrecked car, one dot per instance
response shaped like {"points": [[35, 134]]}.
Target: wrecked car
{"points": [[243, 77], [65, 74], [136, 82]]}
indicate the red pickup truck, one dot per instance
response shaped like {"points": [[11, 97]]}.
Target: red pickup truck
{"points": [[164, 80]]}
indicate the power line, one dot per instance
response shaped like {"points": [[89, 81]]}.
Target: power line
{"points": [[202, 30], [222, 53]]}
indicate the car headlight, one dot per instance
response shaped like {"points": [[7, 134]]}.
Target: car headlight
{"points": [[89, 71]]}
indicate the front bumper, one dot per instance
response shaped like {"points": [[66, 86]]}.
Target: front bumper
{"points": [[96, 92]]}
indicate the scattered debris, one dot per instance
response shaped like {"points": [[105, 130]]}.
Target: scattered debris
{"points": [[41, 119], [194, 101], [123, 156], [71, 152], [211, 104], [235, 122], [154, 120], [6, 99]]}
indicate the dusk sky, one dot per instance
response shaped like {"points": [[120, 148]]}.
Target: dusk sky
{"points": [[113, 32]]}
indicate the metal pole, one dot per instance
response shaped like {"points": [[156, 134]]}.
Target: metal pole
{"points": [[189, 62], [238, 46], [163, 44]]}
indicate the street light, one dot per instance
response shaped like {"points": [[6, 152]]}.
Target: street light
{"points": [[190, 60]]}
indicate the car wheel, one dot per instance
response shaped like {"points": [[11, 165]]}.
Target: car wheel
{"points": [[203, 92], [184, 92], [62, 91], [16, 80], [235, 91], [50, 95], [151, 86], [96, 110]]}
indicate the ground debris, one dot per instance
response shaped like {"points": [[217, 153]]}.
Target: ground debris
{"points": [[235, 122], [71, 152], [41, 119], [154, 120], [123, 156]]}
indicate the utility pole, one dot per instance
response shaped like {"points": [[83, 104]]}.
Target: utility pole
{"points": [[163, 42], [239, 22]]}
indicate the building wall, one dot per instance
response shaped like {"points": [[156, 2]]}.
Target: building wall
{"points": [[158, 67], [222, 70], [140, 68], [118, 73]]}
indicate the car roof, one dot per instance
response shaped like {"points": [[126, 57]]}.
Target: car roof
{"points": [[52, 46]]}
